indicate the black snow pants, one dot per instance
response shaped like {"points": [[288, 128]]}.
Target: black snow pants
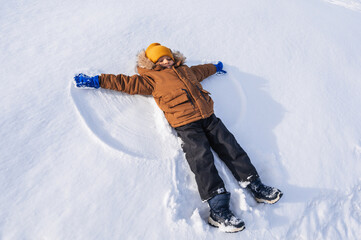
{"points": [[198, 139]]}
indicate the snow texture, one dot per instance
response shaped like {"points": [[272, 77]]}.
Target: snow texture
{"points": [[98, 164]]}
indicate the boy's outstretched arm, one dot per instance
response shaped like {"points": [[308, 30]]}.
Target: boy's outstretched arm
{"points": [[135, 84], [205, 70]]}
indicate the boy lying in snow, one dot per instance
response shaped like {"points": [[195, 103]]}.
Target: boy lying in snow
{"points": [[189, 110]]}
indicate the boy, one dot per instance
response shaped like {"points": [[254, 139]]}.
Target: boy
{"points": [[189, 110]]}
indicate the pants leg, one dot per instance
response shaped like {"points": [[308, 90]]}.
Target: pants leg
{"points": [[229, 151], [200, 159]]}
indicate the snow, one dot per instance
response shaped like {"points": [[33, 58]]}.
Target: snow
{"points": [[99, 164]]}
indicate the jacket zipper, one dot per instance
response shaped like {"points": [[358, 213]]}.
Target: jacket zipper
{"points": [[189, 97]]}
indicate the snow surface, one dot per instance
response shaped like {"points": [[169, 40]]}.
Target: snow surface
{"points": [[99, 164]]}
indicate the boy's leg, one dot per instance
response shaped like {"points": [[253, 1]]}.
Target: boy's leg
{"points": [[236, 159], [229, 151], [200, 159]]}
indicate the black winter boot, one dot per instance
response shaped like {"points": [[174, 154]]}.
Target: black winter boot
{"points": [[221, 216], [263, 193]]}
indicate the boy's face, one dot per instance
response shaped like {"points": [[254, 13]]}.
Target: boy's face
{"points": [[165, 61]]}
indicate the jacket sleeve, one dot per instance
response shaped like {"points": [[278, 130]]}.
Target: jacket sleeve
{"points": [[203, 71], [135, 84]]}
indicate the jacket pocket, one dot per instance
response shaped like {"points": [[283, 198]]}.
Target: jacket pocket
{"points": [[205, 94], [178, 97]]}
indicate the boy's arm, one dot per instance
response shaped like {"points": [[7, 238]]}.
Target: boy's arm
{"points": [[203, 71], [135, 84]]}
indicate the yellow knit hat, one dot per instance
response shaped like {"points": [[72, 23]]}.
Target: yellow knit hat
{"points": [[156, 51]]}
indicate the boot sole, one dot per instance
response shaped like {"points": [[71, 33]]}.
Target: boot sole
{"points": [[273, 201], [228, 229]]}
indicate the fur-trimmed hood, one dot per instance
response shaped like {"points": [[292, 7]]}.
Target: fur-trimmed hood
{"points": [[146, 63]]}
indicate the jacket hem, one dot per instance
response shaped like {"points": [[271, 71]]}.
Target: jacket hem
{"points": [[191, 120]]}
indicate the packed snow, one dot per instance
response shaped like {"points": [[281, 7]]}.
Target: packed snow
{"points": [[99, 164]]}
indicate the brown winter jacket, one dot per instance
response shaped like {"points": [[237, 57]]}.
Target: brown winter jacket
{"points": [[177, 90]]}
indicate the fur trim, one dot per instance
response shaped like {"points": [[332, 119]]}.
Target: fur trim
{"points": [[179, 58], [144, 62]]}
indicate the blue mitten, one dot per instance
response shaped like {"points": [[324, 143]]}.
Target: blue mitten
{"points": [[219, 67], [83, 81]]}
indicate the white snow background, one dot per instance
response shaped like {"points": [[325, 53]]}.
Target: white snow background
{"points": [[99, 164]]}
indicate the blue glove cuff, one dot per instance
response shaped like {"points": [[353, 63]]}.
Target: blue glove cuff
{"points": [[96, 81]]}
